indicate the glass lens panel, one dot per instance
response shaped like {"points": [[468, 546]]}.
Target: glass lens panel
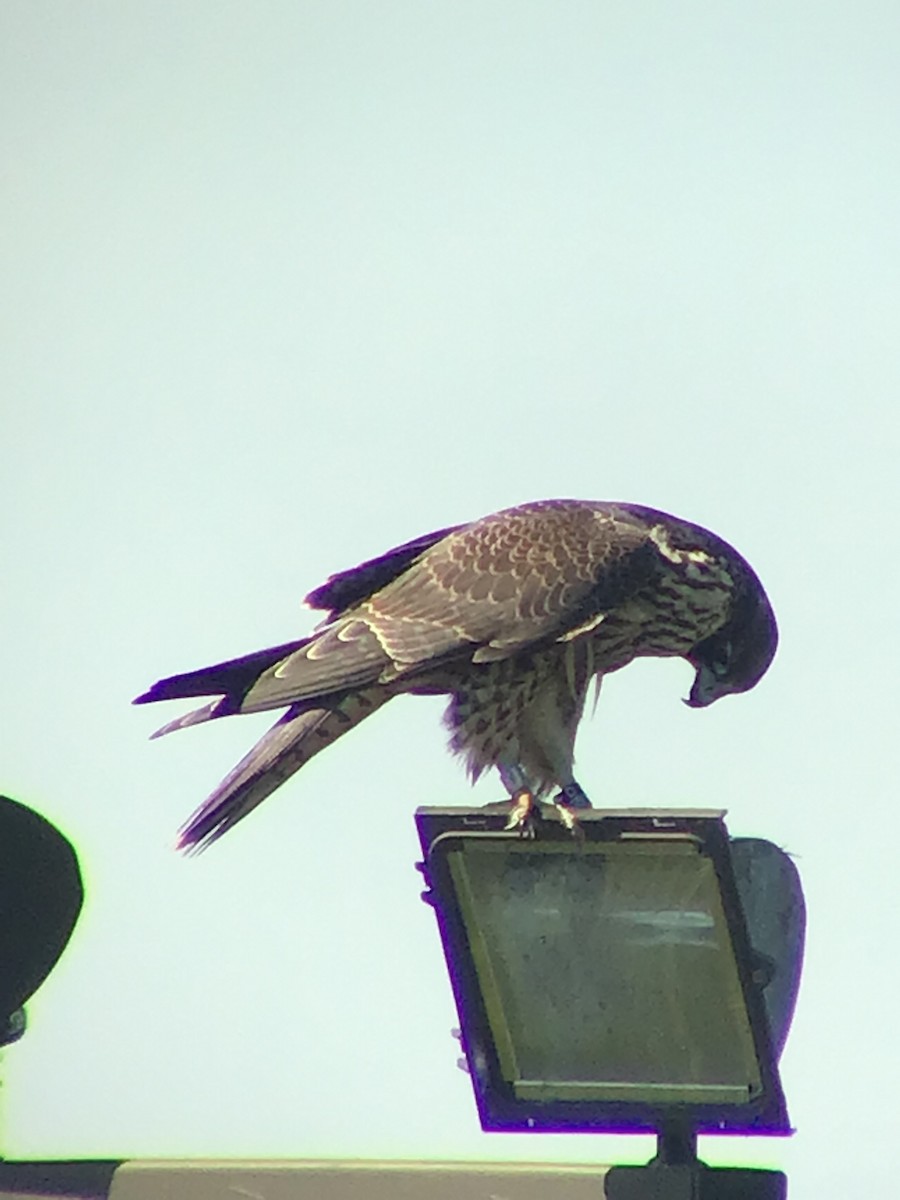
{"points": [[607, 974]]}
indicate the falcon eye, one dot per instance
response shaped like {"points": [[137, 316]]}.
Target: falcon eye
{"points": [[721, 664]]}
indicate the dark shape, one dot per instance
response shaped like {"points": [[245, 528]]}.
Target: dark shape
{"points": [[40, 897], [512, 617], [81, 1179]]}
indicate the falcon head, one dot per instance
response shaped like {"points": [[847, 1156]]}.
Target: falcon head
{"points": [[735, 657]]}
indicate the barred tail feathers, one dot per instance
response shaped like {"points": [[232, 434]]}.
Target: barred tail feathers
{"points": [[291, 742]]}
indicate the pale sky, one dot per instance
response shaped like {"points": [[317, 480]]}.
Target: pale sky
{"points": [[286, 284]]}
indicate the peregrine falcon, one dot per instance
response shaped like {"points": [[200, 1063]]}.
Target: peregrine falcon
{"points": [[511, 616]]}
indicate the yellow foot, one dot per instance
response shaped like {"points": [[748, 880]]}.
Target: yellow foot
{"points": [[520, 813], [569, 818]]}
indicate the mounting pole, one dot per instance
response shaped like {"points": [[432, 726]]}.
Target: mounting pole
{"points": [[676, 1173]]}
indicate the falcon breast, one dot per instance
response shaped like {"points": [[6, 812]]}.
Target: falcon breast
{"points": [[512, 616]]}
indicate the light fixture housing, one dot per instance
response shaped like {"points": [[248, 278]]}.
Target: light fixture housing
{"points": [[604, 982]]}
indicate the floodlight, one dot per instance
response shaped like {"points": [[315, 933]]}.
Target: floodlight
{"points": [[607, 983]]}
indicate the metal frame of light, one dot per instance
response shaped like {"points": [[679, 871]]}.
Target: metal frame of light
{"points": [[492, 888]]}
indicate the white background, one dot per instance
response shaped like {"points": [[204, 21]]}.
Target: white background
{"points": [[287, 283]]}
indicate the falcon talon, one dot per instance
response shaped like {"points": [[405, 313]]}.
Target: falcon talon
{"points": [[521, 814], [569, 818]]}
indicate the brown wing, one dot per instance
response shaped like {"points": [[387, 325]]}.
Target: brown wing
{"points": [[485, 591], [514, 579]]}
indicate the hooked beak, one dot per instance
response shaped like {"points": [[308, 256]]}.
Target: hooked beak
{"points": [[705, 690]]}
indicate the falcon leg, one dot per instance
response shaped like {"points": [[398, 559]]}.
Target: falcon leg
{"points": [[572, 795], [523, 805], [568, 800]]}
